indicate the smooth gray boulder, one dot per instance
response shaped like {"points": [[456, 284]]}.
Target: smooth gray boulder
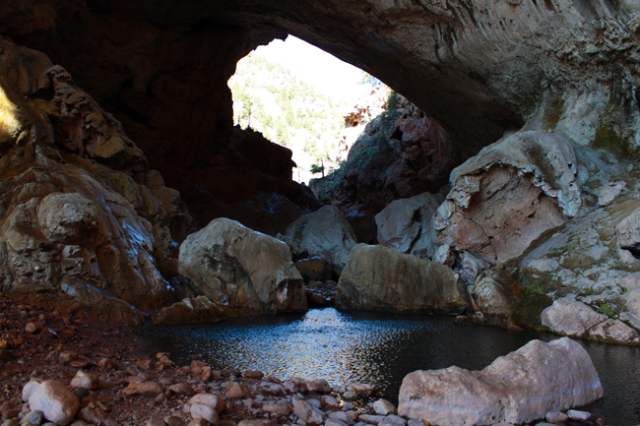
{"points": [[325, 233], [231, 264], [378, 278], [405, 224], [517, 388]]}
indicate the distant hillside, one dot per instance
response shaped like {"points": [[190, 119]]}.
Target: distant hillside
{"points": [[286, 110]]}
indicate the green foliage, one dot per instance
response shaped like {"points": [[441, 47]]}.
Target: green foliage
{"points": [[284, 108], [370, 80], [317, 168], [606, 310]]}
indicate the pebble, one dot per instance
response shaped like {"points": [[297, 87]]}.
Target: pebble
{"points": [[412, 422], [556, 417], [307, 412], [31, 328], [370, 418], [173, 421], [34, 417], [335, 422], [55, 400], [342, 416], [236, 391], [579, 415], [84, 380], [393, 420], [545, 424], [148, 389], [156, 422], [252, 423], [201, 411], [252, 374], [384, 407]]}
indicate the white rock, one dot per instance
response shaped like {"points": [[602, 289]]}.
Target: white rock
{"points": [[518, 388], [83, 380], [571, 318], [393, 420], [579, 415], [28, 389], [614, 330], [335, 422], [308, 413], [342, 416], [58, 404], [201, 411], [369, 418], [384, 407], [556, 417]]}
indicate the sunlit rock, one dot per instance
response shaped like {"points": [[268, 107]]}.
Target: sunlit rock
{"points": [[232, 264], [518, 388]]}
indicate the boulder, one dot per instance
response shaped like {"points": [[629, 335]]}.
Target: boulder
{"points": [[231, 264], [56, 401], [324, 233], [508, 195], [517, 388], [195, 310], [585, 274], [378, 278], [364, 226], [406, 225]]}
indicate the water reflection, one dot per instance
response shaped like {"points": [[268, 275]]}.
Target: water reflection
{"points": [[345, 347]]}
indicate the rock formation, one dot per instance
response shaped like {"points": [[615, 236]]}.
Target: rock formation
{"points": [[507, 196], [229, 263], [77, 233], [325, 235], [382, 279], [401, 153], [406, 225], [518, 388]]}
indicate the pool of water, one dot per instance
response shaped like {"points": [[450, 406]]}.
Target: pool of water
{"points": [[381, 349]]}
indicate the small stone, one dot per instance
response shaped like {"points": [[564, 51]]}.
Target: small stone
{"points": [[544, 424], [198, 422], [330, 402], [579, 415], [413, 422], [335, 422], [252, 374], [83, 380], [34, 417], [384, 407], [342, 416], [56, 401], [393, 420], [148, 389], [307, 412], [213, 401], [361, 388], [107, 364], [93, 415], [156, 422], [182, 389], [369, 418], [349, 395], [236, 391], [556, 417], [31, 328], [201, 411], [173, 420], [10, 422], [146, 364], [252, 423], [278, 408]]}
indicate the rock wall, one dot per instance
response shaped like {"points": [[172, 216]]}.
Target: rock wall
{"points": [[75, 232]]}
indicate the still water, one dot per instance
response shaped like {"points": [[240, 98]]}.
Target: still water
{"points": [[346, 347]]}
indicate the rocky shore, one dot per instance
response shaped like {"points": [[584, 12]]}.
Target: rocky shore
{"points": [[66, 370]]}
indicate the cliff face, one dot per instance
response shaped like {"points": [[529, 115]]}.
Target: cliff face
{"points": [[160, 70]]}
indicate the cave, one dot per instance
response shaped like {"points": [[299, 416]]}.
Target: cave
{"points": [[119, 148]]}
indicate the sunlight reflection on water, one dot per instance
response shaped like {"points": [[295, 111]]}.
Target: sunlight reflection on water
{"points": [[345, 347]]}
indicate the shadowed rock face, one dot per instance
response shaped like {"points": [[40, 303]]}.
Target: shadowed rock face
{"points": [[477, 67]]}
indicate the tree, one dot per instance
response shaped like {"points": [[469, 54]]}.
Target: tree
{"points": [[318, 168]]}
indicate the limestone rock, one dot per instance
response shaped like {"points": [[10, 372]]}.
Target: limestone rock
{"points": [[194, 310], [378, 278], [324, 233], [206, 412], [384, 407], [84, 380], [232, 264], [509, 194], [495, 296], [517, 388], [308, 413], [56, 401], [405, 225]]}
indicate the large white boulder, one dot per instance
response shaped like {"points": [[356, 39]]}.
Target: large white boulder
{"points": [[230, 263], [56, 401], [517, 388]]}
